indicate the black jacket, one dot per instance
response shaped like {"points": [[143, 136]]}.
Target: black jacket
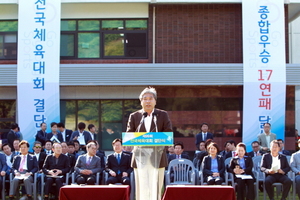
{"points": [[207, 166]]}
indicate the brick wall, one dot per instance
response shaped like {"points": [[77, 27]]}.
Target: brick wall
{"points": [[198, 33]]}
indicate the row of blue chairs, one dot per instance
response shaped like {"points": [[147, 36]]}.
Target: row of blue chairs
{"points": [[183, 172]]}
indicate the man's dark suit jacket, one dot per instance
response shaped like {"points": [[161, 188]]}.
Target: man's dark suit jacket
{"points": [[94, 166], [101, 155], [41, 136], [32, 164], [124, 166], [200, 139], [59, 136], [63, 164], [72, 160], [173, 156], [286, 152], [68, 135], [207, 166], [266, 163], [248, 163], [41, 159], [11, 136], [3, 165], [87, 136], [163, 125], [251, 153]]}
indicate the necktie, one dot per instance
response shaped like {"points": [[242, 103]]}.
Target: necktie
{"points": [[119, 159], [89, 161], [234, 154], [22, 164]]}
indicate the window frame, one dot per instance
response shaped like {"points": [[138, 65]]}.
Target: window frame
{"points": [[3, 33], [101, 40]]}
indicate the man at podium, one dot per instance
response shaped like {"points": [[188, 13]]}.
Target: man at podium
{"points": [[149, 162]]}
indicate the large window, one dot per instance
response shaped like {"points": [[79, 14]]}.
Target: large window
{"points": [[104, 38], [7, 116], [8, 39], [80, 39]]}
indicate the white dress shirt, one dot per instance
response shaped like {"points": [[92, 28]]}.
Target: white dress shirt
{"points": [[204, 135], [275, 163], [147, 122], [64, 135], [81, 138], [37, 155], [268, 140]]}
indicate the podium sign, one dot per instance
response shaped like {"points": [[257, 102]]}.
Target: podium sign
{"points": [[147, 139], [149, 160]]}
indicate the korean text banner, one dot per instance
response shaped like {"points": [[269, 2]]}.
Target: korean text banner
{"points": [[264, 68], [38, 65], [147, 139]]}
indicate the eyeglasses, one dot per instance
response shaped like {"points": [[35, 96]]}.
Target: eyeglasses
{"points": [[38, 147], [255, 146]]}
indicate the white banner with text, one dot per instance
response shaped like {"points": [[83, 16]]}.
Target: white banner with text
{"points": [[38, 65], [264, 68]]}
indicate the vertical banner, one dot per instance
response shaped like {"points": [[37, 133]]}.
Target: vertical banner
{"points": [[264, 68], [38, 65]]}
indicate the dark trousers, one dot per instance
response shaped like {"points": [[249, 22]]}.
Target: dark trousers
{"points": [[118, 179], [1, 185], [48, 184], [241, 189], [88, 179], [277, 178]]}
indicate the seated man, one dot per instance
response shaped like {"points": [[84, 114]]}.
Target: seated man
{"points": [[276, 167], [178, 150], [55, 165], [295, 165], [23, 164], [40, 156], [88, 165], [65, 151], [282, 150], [3, 168], [9, 158], [48, 147], [118, 165], [255, 150]]}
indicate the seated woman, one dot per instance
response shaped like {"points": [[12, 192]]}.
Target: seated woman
{"points": [[213, 166], [242, 164]]}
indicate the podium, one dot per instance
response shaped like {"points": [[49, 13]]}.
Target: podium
{"points": [[149, 160]]}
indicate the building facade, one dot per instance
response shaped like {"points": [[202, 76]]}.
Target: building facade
{"points": [[190, 51]]}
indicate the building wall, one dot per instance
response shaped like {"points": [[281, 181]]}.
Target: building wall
{"points": [[198, 33], [294, 34]]}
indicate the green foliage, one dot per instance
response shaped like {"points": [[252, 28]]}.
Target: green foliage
{"points": [[88, 45], [113, 45], [7, 26], [112, 24], [136, 24], [68, 25], [88, 25]]}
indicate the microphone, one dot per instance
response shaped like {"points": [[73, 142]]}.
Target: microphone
{"points": [[155, 121], [141, 122]]}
